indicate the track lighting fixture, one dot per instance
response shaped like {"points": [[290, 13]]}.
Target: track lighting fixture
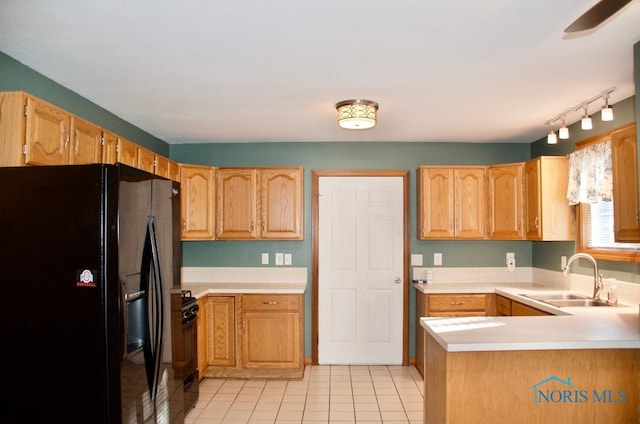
{"points": [[586, 123]]}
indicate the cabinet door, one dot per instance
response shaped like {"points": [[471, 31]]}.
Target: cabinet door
{"points": [[204, 320], [197, 202], [625, 185], [86, 143], [109, 147], [506, 193], [48, 134], [221, 348], [533, 225], [470, 203], [548, 214], [281, 203], [146, 160], [436, 203], [236, 190], [127, 152], [421, 311], [271, 340]]}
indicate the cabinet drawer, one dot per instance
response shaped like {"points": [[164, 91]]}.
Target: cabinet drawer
{"points": [[503, 306], [271, 302], [457, 302]]}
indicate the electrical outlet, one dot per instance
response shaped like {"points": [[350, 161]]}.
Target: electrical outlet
{"points": [[288, 258], [265, 259], [279, 259], [563, 262], [437, 259], [416, 259]]}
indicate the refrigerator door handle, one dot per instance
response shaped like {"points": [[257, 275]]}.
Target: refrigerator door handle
{"points": [[158, 306]]}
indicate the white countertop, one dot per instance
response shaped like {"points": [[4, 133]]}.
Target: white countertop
{"points": [[202, 289], [606, 327]]}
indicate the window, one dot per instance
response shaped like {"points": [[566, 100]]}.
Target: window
{"points": [[595, 197]]}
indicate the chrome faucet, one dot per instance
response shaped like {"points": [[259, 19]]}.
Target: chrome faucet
{"points": [[597, 279]]}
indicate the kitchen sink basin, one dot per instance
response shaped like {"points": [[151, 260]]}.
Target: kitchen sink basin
{"points": [[576, 302], [564, 300], [544, 297]]}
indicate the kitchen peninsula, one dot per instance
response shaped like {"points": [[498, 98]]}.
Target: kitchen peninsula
{"points": [[583, 366]]}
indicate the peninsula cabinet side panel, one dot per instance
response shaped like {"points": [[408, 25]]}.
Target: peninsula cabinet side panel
{"points": [[545, 386]]}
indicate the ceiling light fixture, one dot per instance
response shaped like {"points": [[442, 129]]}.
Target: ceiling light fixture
{"points": [[607, 111], [357, 114], [586, 122]]}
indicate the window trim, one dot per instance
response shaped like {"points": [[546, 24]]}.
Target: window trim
{"points": [[581, 231]]}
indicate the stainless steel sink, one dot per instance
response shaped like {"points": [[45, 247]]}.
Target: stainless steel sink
{"points": [[543, 297], [576, 302], [563, 300]]}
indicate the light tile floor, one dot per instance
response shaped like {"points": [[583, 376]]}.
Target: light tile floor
{"points": [[326, 394]]}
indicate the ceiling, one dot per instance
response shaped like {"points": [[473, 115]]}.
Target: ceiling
{"points": [[252, 70]]}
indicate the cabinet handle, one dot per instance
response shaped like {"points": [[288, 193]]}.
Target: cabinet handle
{"points": [[65, 131], [273, 302], [457, 302], [77, 143], [537, 222]]}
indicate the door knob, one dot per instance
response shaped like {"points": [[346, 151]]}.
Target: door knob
{"points": [[398, 280]]}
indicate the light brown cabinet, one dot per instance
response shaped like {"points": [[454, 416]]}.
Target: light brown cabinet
{"points": [[34, 132], [127, 152], [548, 214], [197, 202], [451, 202], [625, 185], [508, 307], [506, 201], [272, 331], [203, 323], [252, 335], [109, 147], [448, 305], [259, 203], [145, 160]]}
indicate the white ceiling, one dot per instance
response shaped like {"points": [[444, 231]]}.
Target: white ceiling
{"points": [[254, 70]]}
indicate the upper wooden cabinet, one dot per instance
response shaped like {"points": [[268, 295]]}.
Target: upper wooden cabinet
{"points": [[109, 147], [451, 202], [506, 195], [86, 142], [625, 185], [281, 203], [549, 216], [34, 132], [127, 152], [262, 203], [197, 200]]}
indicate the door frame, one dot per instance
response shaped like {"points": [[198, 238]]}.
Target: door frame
{"points": [[315, 222]]}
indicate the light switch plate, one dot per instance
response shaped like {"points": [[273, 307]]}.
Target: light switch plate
{"points": [[437, 259], [416, 259], [265, 259], [288, 258], [279, 259]]}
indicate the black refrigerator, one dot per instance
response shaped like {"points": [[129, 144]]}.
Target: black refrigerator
{"points": [[91, 254]]}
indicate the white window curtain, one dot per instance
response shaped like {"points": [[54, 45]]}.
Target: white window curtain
{"points": [[590, 179]]}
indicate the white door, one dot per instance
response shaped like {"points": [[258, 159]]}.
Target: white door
{"points": [[360, 270]]}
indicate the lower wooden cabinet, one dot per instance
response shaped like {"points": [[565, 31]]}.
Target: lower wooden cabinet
{"points": [[251, 335], [448, 305], [507, 307]]}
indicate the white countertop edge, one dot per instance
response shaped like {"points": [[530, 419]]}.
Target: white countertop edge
{"points": [[493, 347], [199, 290]]}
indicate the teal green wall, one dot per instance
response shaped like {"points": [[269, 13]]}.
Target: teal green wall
{"points": [[14, 76]]}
